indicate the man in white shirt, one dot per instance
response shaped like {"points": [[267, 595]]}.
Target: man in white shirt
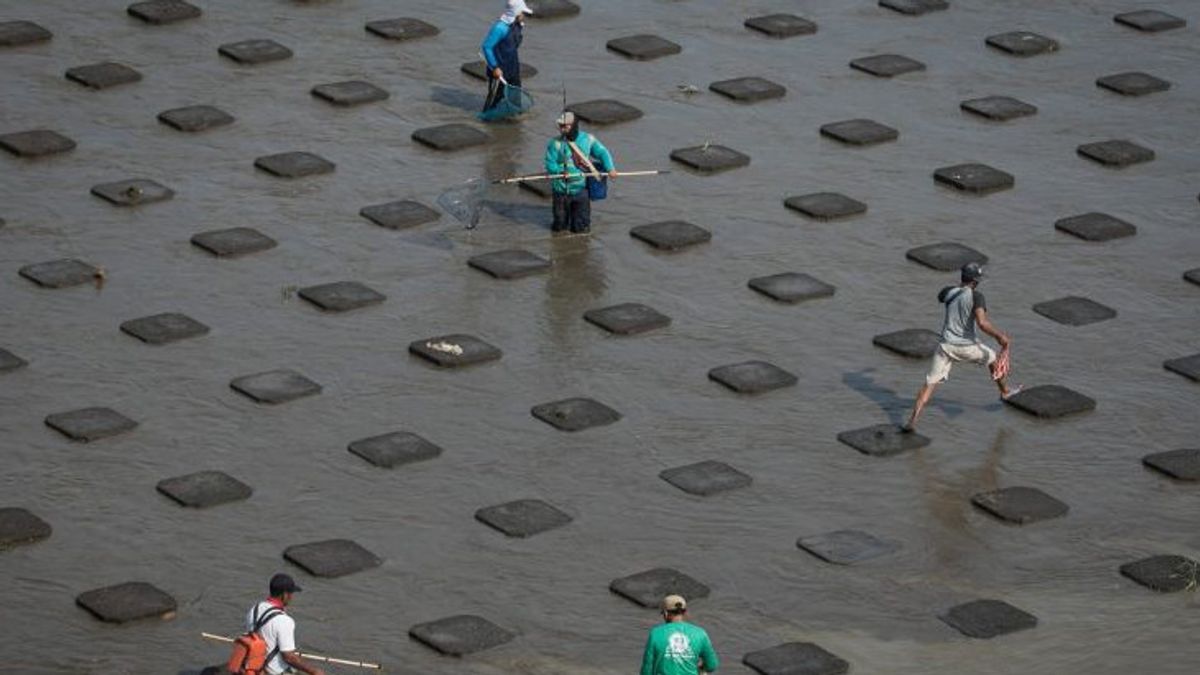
{"points": [[278, 629]]}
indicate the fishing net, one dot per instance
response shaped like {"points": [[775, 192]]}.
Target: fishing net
{"points": [[465, 201], [513, 101]]}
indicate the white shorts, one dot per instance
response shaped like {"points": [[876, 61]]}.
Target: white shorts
{"points": [[947, 354]]}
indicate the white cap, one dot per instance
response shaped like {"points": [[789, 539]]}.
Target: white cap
{"points": [[566, 119], [518, 7]]}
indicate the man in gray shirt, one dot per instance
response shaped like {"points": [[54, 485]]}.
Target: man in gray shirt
{"points": [[965, 308]]}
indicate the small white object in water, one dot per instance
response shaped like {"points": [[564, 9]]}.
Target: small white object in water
{"points": [[445, 348], [688, 88]]}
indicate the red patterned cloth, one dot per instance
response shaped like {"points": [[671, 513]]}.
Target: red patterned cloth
{"points": [[1000, 368]]}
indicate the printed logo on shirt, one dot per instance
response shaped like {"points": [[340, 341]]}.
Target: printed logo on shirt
{"points": [[679, 648]]}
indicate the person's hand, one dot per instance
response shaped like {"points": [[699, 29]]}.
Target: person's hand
{"points": [[497, 73], [613, 173], [318, 671]]}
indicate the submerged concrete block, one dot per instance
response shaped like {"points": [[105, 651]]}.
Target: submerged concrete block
{"points": [[36, 143], [1164, 573], [448, 137], [1133, 83], [195, 118], [553, 9], [748, 89], [706, 478], [1116, 153], [643, 47], [846, 547], [1050, 401], [294, 164], [394, 449], [1022, 43], [946, 256], [781, 25], [650, 587], [1074, 311], [795, 658], [883, 440], [253, 52], [604, 111], [399, 215], [915, 7], [331, 558], [1182, 464], [999, 108], [522, 518], [986, 619], [509, 263], [1187, 366], [103, 75], [17, 33], [1095, 227], [479, 70], [403, 28], [159, 329], [133, 192], [460, 635], [63, 273], [203, 489], [752, 377], [1020, 505], [126, 602], [914, 343], [275, 386], [10, 361], [791, 287], [1150, 20], [19, 527], [350, 93], [454, 351], [90, 424], [887, 65], [628, 318], [710, 158], [341, 296], [825, 205], [671, 235], [233, 242], [1192, 276], [575, 414], [160, 12], [974, 178], [859, 132]]}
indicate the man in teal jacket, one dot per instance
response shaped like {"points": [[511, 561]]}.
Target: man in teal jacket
{"points": [[574, 155], [677, 647]]}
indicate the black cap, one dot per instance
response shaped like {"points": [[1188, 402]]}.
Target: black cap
{"points": [[972, 271], [283, 583]]}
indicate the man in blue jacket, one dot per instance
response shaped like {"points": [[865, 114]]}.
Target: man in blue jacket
{"points": [[499, 49], [575, 155]]}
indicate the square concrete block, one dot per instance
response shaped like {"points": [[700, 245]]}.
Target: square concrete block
{"points": [[781, 25], [1020, 505], [400, 215], [795, 658], [449, 137], [748, 89], [233, 242], [342, 296], [1116, 153], [63, 273], [999, 108], [752, 377], [1187, 366], [1074, 311], [859, 132], [977, 179], [946, 256], [575, 414], [275, 386], [643, 47], [509, 263], [331, 558], [294, 164], [604, 111], [887, 65], [628, 318], [1095, 227], [90, 424], [553, 9], [103, 75], [195, 118], [18, 527], [1050, 401], [454, 351], [671, 235], [706, 478], [36, 143], [825, 205], [1022, 43], [650, 587], [159, 12], [914, 343], [915, 7], [985, 619], [1182, 464], [846, 547], [479, 70], [1133, 83], [710, 158], [349, 93], [403, 28], [1150, 20], [133, 192], [394, 449], [17, 33], [10, 361], [883, 440], [460, 635], [159, 329], [1163, 573], [126, 602], [252, 52], [203, 489], [522, 518], [791, 287]]}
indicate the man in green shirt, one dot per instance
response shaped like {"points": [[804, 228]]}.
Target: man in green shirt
{"points": [[677, 647]]}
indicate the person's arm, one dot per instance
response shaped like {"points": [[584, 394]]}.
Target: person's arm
{"points": [[601, 153], [648, 656], [285, 642], [986, 326], [708, 657], [495, 35], [554, 160], [293, 659]]}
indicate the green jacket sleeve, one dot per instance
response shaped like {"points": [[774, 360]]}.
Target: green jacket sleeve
{"points": [[601, 153], [554, 157], [709, 655], [648, 656]]}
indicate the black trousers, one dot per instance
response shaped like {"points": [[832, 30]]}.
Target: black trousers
{"points": [[572, 212]]}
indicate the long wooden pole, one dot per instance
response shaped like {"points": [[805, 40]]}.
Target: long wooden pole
{"points": [[552, 176], [314, 657]]}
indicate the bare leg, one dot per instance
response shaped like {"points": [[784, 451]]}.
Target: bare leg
{"points": [[923, 397]]}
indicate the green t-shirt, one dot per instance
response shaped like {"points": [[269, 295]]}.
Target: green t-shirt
{"points": [[677, 649]]}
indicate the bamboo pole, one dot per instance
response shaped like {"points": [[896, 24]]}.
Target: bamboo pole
{"points": [[306, 655], [552, 176]]}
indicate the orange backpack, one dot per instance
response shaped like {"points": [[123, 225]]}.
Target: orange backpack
{"points": [[250, 655]]}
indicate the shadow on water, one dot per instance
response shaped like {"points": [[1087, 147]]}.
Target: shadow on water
{"points": [[892, 404], [529, 214], [457, 98]]}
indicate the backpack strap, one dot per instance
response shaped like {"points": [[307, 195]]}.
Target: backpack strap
{"points": [[261, 622]]}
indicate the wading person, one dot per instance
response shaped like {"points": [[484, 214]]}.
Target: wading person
{"points": [[499, 49], [676, 647], [575, 155], [965, 309], [269, 619]]}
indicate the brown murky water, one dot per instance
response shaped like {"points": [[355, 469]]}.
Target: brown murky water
{"points": [[111, 526]]}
